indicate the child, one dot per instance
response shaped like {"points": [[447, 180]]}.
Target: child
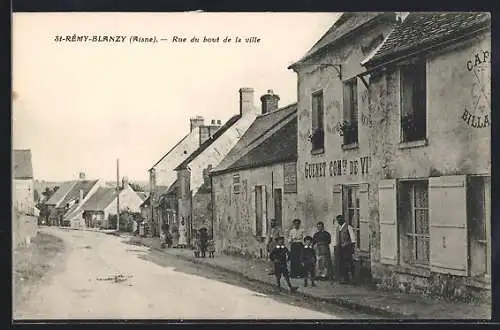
{"points": [[280, 256], [308, 260], [211, 247], [196, 244], [203, 241]]}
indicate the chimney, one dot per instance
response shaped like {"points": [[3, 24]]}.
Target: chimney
{"points": [[81, 176], [196, 122], [269, 102], [247, 105], [213, 122], [124, 182], [219, 122]]}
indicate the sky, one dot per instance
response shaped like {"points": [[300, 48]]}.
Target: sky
{"points": [[80, 106]]}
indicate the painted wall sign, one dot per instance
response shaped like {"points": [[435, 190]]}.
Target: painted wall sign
{"points": [[477, 113], [339, 167], [290, 178]]}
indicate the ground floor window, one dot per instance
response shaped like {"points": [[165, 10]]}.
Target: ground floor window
{"points": [[413, 222], [351, 210], [479, 220]]}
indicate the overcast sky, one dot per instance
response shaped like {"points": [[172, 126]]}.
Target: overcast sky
{"points": [[83, 105]]}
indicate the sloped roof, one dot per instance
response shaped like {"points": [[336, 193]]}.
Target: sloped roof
{"points": [[279, 147], [23, 168], [142, 194], [60, 193], [423, 29], [343, 26], [207, 143], [100, 199], [259, 127], [74, 193]]}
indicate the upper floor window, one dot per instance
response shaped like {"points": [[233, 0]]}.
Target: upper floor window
{"points": [[318, 133], [350, 101], [413, 102]]}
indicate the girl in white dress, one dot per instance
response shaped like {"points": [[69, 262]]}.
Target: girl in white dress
{"points": [[182, 235]]}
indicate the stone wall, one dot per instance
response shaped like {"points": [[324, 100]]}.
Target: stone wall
{"points": [[24, 228]]}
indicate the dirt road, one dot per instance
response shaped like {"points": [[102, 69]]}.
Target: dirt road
{"points": [[103, 277]]}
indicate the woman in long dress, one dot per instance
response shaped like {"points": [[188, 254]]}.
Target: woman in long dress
{"points": [[296, 239], [321, 241], [182, 235]]}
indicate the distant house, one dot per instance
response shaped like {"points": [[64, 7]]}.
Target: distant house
{"points": [[103, 203], [54, 208], [162, 175], [23, 192], [256, 181], [192, 195]]}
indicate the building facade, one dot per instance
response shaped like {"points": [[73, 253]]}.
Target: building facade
{"points": [[23, 187], [190, 173], [162, 175], [334, 156], [430, 114], [256, 182]]}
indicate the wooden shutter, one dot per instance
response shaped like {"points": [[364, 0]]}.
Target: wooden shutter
{"points": [[448, 225], [314, 111], [346, 98], [254, 216], [387, 203], [264, 211], [364, 215]]}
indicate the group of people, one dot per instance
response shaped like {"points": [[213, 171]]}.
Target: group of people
{"points": [[176, 238], [202, 242], [310, 257]]}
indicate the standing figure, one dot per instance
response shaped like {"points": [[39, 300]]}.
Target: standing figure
{"points": [[182, 235], [272, 235], [196, 243], [345, 242], [203, 241], [321, 241], [296, 237], [308, 259], [280, 256], [211, 247]]}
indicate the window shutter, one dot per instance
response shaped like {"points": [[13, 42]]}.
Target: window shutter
{"points": [[347, 102], [448, 225], [364, 215], [387, 203], [254, 216], [314, 112], [264, 211]]}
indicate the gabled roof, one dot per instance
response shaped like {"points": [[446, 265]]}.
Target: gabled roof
{"points": [[171, 149], [74, 193], [100, 199], [60, 193], [419, 30], [261, 125], [142, 194], [23, 168], [207, 143], [346, 24], [279, 147]]}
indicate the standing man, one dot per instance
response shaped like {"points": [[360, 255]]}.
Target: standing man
{"points": [[296, 239], [272, 235], [321, 241], [345, 243]]}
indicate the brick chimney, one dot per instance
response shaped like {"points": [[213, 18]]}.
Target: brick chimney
{"points": [[196, 122], [124, 182], [247, 105], [81, 176], [269, 102]]}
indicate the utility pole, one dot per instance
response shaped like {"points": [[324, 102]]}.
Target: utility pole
{"points": [[117, 195]]}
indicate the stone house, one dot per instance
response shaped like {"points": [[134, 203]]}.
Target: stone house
{"points": [[430, 141], [23, 191], [193, 195], [334, 156], [103, 203], [162, 175], [256, 181]]}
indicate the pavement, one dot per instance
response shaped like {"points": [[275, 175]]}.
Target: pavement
{"points": [[360, 298], [103, 276]]}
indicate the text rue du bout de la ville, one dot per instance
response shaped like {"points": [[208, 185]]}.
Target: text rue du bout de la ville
{"points": [[176, 39]]}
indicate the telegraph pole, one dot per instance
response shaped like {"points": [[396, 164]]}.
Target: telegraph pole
{"points": [[117, 195]]}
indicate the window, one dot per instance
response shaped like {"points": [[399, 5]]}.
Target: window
{"points": [[318, 133], [352, 210], [236, 183], [479, 219], [414, 222], [413, 102], [350, 126]]}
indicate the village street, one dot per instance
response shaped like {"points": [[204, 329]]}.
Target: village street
{"points": [[151, 285]]}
